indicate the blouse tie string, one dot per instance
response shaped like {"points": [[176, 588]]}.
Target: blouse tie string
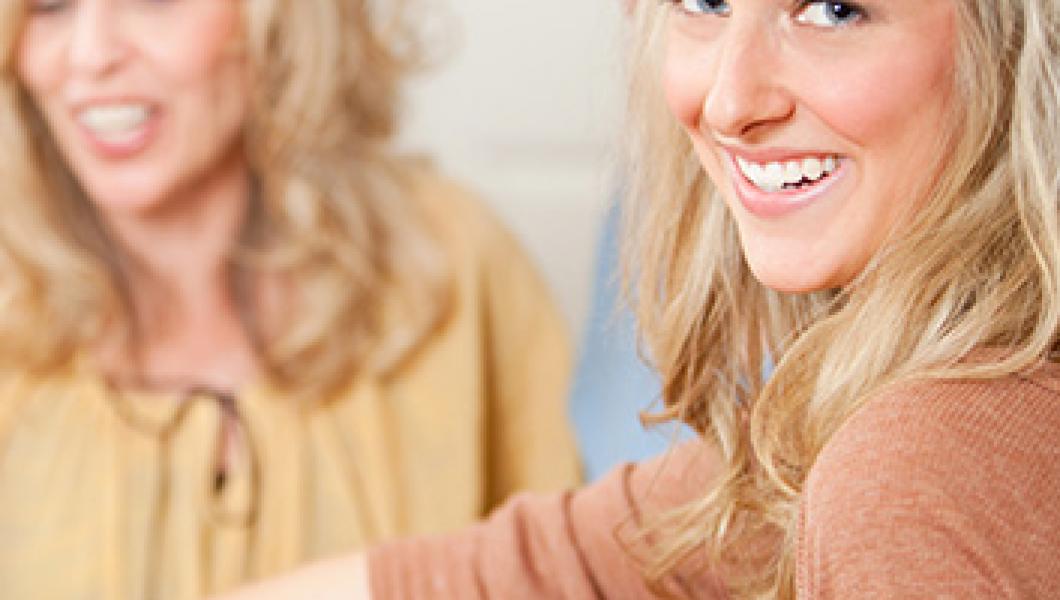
{"points": [[233, 426]]}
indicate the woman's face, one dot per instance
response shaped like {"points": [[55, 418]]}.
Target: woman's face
{"points": [[145, 98], [821, 123]]}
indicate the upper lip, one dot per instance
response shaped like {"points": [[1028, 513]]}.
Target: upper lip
{"points": [[86, 103], [768, 155]]}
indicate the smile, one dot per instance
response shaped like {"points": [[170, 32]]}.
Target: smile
{"points": [[115, 121], [773, 177], [778, 185], [117, 130]]}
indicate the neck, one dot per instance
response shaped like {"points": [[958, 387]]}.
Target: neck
{"points": [[183, 244], [178, 254]]}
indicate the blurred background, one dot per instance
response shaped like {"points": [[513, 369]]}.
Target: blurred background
{"points": [[526, 105]]}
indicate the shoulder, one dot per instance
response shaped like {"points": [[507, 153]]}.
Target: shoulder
{"points": [[999, 424], [452, 210], [487, 260], [945, 487], [61, 399]]}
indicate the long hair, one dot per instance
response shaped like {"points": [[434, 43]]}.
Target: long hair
{"points": [[978, 265], [334, 214]]}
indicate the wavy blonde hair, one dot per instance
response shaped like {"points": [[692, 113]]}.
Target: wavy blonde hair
{"points": [[978, 265], [332, 216]]}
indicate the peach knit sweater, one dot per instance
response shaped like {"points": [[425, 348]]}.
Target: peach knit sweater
{"points": [[934, 490]]}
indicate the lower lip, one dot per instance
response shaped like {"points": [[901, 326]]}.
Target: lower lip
{"points": [[784, 202], [127, 145]]}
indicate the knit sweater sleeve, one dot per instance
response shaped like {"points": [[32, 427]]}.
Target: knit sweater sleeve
{"points": [[539, 546], [947, 490]]}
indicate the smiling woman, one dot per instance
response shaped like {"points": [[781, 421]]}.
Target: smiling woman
{"points": [[866, 195], [167, 121], [239, 331], [793, 127]]}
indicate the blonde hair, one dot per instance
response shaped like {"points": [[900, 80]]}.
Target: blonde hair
{"points": [[333, 215], [978, 265]]}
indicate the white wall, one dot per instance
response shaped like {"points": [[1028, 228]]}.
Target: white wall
{"points": [[526, 108]]}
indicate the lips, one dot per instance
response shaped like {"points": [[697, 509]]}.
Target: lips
{"points": [[776, 184], [118, 129]]}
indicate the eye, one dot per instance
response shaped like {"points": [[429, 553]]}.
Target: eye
{"points": [[704, 7], [828, 14], [47, 6]]}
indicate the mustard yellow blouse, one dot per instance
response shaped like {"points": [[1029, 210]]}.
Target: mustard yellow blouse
{"points": [[113, 495]]}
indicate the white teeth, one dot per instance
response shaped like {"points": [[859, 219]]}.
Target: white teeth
{"points": [[774, 176], [753, 171], [812, 168], [116, 119]]}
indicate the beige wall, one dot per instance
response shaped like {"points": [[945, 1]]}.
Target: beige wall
{"points": [[526, 108]]}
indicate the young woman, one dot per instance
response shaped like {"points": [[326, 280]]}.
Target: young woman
{"points": [[866, 195], [238, 333]]}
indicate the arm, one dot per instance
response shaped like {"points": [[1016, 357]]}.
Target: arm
{"points": [[343, 578], [558, 546], [535, 546]]}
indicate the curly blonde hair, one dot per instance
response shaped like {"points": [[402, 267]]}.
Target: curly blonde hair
{"points": [[978, 266], [333, 215]]}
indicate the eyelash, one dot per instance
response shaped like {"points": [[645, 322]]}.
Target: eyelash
{"points": [[53, 6], [45, 7], [859, 13], [678, 5]]}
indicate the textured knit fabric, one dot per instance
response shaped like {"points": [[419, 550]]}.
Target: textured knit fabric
{"points": [[932, 490], [93, 507]]}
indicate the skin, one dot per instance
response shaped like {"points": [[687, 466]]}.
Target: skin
{"points": [[765, 76], [174, 196], [343, 578]]}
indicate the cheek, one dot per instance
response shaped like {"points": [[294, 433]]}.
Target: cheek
{"points": [[685, 83], [204, 79], [200, 50], [918, 75], [36, 61], [869, 114]]}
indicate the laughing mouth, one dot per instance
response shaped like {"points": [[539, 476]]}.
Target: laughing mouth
{"points": [[776, 176], [116, 121]]}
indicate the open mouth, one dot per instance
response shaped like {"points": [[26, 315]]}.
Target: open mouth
{"points": [[116, 123], [118, 129], [785, 175]]}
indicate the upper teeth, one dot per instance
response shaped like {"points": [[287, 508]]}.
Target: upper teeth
{"points": [[115, 119], [773, 176]]}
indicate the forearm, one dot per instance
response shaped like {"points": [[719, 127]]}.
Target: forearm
{"points": [[535, 546], [344, 578]]}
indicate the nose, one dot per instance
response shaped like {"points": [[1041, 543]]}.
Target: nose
{"points": [[746, 93], [96, 45]]}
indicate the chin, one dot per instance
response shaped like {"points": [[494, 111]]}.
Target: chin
{"points": [[124, 199], [128, 190], [791, 280]]}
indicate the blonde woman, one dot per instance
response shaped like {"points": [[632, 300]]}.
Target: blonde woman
{"points": [[867, 194], [238, 332]]}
